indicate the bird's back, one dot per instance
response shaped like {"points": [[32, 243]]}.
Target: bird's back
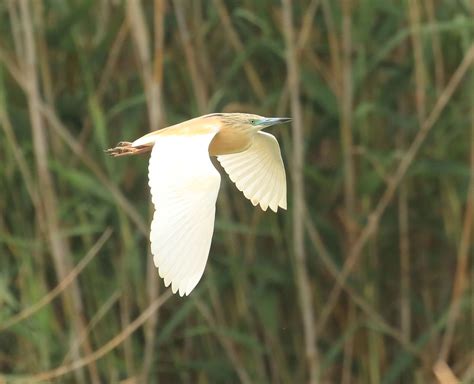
{"points": [[229, 139]]}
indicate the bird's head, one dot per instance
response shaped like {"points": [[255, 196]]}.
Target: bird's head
{"points": [[250, 121]]}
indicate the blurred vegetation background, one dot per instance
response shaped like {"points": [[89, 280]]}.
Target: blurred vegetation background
{"points": [[367, 278]]}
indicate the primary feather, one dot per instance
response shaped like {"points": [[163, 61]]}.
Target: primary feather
{"points": [[184, 186], [259, 172]]}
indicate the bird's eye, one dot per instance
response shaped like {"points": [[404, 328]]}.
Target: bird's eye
{"points": [[253, 121]]}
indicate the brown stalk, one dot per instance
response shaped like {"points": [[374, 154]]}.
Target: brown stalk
{"points": [[302, 278], [98, 316], [112, 60], [346, 101], [155, 103], [90, 163], [420, 72], [62, 285], [345, 105], [45, 71], [436, 46], [238, 46], [225, 342], [74, 145], [106, 74], [374, 316], [151, 64], [348, 352], [333, 42], [59, 248], [125, 318], [307, 25], [201, 42], [462, 270], [468, 375], [444, 374], [15, 25], [302, 39], [102, 351], [414, 19], [374, 217], [199, 87], [24, 168], [151, 79], [404, 241], [404, 236]]}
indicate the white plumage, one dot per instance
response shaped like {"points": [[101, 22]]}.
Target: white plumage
{"points": [[184, 184], [259, 172]]}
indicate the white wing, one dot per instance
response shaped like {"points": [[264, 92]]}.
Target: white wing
{"points": [[184, 186], [259, 172]]}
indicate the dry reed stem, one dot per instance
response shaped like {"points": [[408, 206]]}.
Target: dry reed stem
{"points": [[112, 59], [76, 147], [420, 71], [151, 65], [302, 278], [306, 26], [90, 163], [15, 25], [151, 79], [24, 168], [102, 351], [404, 241], [59, 248], [438, 61], [201, 42], [62, 285], [98, 316], [199, 87], [373, 315], [444, 374], [125, 314], [348, 350], [394, 181], [157, 118], [462, 269], [301, 41], [225, 342], [346, 105], [333, 43], [234, 39], [468, 375]]}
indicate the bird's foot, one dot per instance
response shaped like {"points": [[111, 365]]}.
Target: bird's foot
{"points": [[124, 148]]}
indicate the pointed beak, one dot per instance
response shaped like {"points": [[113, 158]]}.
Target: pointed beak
{"points": [[269, 121]]}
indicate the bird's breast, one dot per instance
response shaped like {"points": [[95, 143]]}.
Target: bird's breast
{"points": [[229, 140]]}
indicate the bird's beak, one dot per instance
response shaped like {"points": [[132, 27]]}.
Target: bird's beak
{"points": [[269, 121]]}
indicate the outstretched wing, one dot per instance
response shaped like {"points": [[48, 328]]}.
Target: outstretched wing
{"points": [[184, 186], [259, 172]]}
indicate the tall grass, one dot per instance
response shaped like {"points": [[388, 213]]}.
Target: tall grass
{"points": [[368, 276]]}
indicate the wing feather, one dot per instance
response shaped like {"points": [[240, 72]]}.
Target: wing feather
{"points": [[184, 186], [259, 172]]}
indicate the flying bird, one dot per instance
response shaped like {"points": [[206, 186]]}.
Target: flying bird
{"points": [[184, 184]]}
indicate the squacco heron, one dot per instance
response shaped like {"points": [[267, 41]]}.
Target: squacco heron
{"points": [[184, 184]]}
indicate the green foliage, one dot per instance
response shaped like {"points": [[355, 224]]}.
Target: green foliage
{"points": [[243, 321]]}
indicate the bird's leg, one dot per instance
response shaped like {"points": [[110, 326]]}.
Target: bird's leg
{"points": [[124, 148]]}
